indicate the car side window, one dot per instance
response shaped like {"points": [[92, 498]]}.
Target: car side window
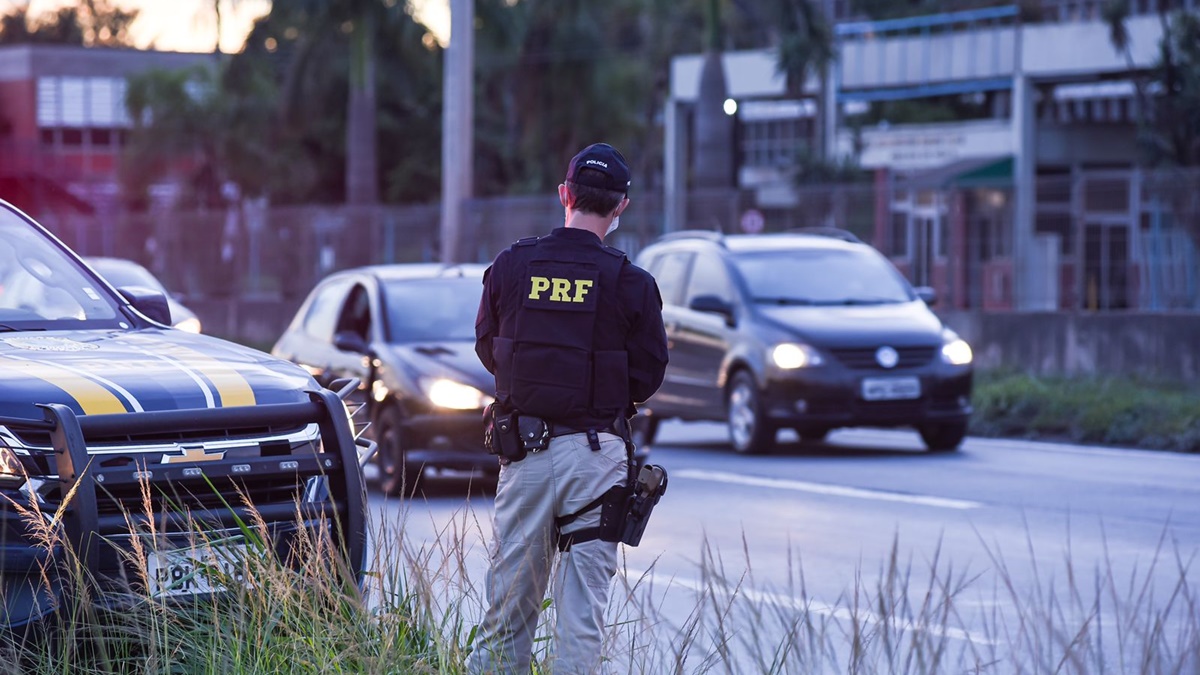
{"points": [[323, 313], [356, 314], [709, 277], [670, 271]]}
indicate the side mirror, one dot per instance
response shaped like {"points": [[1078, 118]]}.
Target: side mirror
{"points": [[349, 341], [927, 295], [713, 305], [151, 303]]}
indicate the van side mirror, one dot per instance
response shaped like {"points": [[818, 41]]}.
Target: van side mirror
{"points": [[927, 295], [713, 305], [150, 303]]}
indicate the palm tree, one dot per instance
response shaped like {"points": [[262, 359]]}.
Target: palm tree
{"points": [[358, 19], [805, 44], [713, 129]]}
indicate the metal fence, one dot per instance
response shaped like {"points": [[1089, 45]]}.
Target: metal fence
{"points": [[1106, 240]]}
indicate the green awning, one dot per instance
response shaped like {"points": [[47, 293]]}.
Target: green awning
{"points": [[997, 173], [963, 173]]}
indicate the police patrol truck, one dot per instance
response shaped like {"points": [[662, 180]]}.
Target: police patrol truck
{"points": [[111, 420]]}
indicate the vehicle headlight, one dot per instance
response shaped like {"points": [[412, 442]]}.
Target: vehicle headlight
{"points": [[955, 350], [12, 471], [445, 393], [792, 355], [191, 325]]}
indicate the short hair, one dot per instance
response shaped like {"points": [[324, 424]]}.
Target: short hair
{"points": [[591, 199]]}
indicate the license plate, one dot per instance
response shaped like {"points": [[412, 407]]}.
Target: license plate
{"points": [[193, 571], [891, 388]]}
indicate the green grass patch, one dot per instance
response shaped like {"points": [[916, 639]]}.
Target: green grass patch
{"points": [[1101, 410]]}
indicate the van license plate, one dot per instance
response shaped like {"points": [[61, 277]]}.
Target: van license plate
{"points": [[192, 571], [891, 388]]}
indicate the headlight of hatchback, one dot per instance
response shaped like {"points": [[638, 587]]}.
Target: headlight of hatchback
{"points": [[792, 355], [446, 393], [955, 350]]}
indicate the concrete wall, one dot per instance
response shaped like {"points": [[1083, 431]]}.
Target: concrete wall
{"points": [[1153, 345]]}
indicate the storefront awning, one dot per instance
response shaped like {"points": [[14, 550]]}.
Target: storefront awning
{"points": [[963, 173]]}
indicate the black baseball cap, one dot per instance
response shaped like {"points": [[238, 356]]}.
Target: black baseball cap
{"points": [[612, 172]]}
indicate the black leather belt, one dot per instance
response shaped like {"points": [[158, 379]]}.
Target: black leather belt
{"points": [[564, 430]]}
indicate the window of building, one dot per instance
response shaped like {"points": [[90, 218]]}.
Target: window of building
{"points": [[79, 102], [899, 238], [775, 142]]}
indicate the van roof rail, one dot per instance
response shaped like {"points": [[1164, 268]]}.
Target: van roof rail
{"points": [[708, 235], [833, 232]]}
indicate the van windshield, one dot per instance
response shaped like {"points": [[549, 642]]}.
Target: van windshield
{"points": [[821, 277], [41, 287]]}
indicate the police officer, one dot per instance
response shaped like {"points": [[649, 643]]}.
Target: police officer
{"points": [[573, 333]]}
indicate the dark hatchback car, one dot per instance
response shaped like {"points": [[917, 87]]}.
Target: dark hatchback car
{"points": [[810, 331], [408, 333]]}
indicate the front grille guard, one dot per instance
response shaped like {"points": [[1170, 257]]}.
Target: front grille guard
{"points": [[340, 460]]}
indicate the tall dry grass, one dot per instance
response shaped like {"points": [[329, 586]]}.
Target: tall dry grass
{"points": [[415, 611]]}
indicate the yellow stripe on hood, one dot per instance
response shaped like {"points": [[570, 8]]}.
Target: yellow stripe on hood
{"points": [[232, 387], [92, 397]]}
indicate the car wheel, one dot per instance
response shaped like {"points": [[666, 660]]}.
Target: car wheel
{"points": [[749, 432], [943, 437], [643, 429], [396, 477]]}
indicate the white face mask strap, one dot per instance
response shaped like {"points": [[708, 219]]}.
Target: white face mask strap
{"points": [[613, 225]]}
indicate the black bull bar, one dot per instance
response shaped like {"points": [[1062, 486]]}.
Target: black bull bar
{"points": [[337, 458]]}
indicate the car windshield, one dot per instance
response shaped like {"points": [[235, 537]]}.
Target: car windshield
{"points": [[821, 277], [432, 310], [41, 287]]}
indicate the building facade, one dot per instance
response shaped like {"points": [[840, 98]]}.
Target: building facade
{"points": [[1029, 197], [63, 122]]}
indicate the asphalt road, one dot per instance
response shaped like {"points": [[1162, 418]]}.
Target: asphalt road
{"points": [[1005, 550]]}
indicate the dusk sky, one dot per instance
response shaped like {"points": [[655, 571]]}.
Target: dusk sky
{"points": [[189, 25]]}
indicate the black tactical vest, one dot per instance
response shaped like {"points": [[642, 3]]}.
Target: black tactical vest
{"points": [[566, 360]]}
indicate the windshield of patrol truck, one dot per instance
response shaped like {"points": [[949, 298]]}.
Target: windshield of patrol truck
{"points": [[41, 287], [821, 277], [432, 310]]}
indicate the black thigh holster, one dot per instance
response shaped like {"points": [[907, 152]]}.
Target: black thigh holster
{"points": [[624, 511]]}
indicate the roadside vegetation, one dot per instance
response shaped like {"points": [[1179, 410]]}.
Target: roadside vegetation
{"points": [[415, 613], [1100, 410]]}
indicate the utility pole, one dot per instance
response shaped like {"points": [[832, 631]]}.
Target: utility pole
{"points": [[457, 126]]}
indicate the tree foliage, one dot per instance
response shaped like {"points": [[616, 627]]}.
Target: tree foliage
{"points": [[1168, 117], [90, 23], [550, 77]]}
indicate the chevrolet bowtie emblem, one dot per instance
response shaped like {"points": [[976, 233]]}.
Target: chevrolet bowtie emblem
{"points": [[195, 453]]}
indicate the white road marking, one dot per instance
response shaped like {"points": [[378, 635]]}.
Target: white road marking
{"points": [[813, 607], [825, 489]]}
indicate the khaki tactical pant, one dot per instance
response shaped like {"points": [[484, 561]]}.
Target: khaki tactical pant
{"points": [[557, 481]]}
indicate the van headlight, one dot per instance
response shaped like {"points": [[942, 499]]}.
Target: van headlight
{"points": [[792, 355], [955, 350], [446, 393]]}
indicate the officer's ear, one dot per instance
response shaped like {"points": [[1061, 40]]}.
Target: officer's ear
{"points": [[621, 207], [564, 195]]}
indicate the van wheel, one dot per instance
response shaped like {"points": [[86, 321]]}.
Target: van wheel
{"points": [[643, 429], [396, 477], [750, 432], [943, 437]]}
